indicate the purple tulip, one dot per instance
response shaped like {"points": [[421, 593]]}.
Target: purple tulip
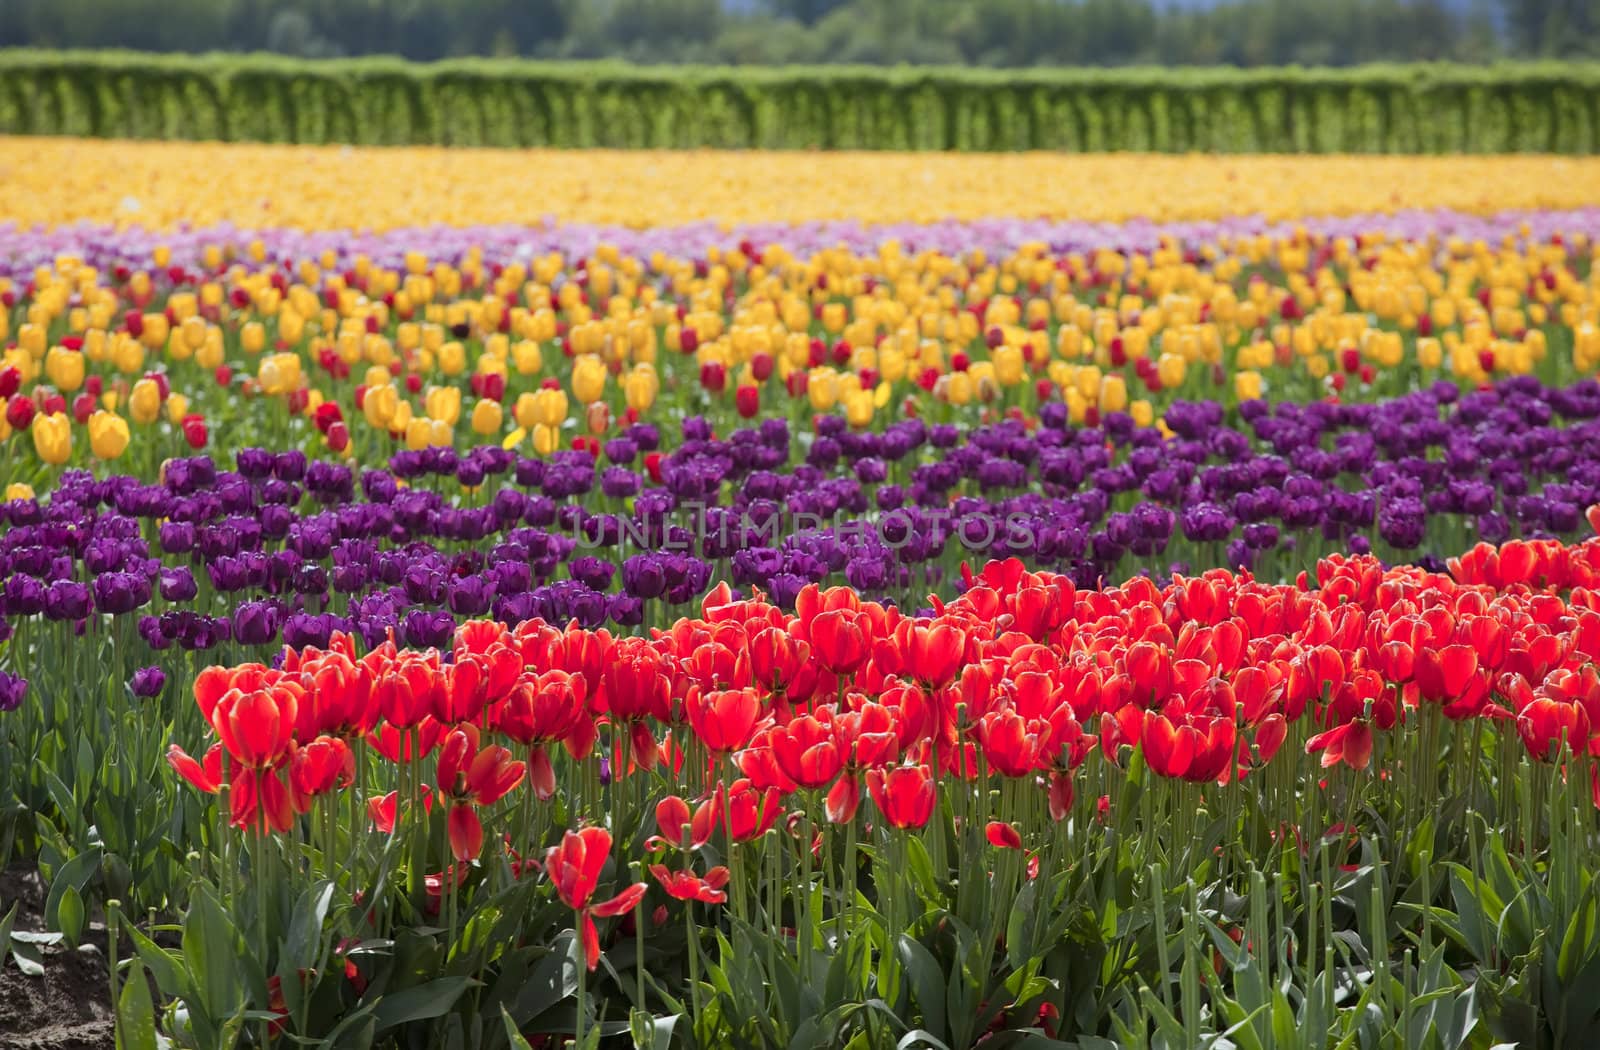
{"points": [[12, 689], [148, 682]]}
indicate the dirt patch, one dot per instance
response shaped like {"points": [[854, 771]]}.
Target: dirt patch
{"points": [[69, 1006]]}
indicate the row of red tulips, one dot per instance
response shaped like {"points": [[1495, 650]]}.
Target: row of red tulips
{"points": [[826, 759]]}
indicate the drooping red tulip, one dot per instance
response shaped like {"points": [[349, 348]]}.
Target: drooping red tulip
{"points": [[1002, 835], [1350, 743], [574, 868], [687, 886]]}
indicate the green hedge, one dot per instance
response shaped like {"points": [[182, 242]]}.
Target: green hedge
{"points": [[1547, 107]]}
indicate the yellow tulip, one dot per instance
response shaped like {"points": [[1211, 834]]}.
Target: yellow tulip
{"points": [[1170, 369], [1247, 385], [1113, 393], [550, 407], [18, 490], [155, 330], [1143, 412], [858, 409], [525, 410], [546, 439], [443, 404], [209, 356], [588, 378], [527, 358], [108, 435], [640, 387], [822, 388], [127, 353], [279, 373], [452, 358], [144, 402], [177, 408], [52, 437], [487, 417], [380, 404], [418, 433], [1007, 365], [193, 331], [959, 388], [31, 337], [65, 368]]}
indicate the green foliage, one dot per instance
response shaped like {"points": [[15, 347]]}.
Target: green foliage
{"points": [[1544, 107]]}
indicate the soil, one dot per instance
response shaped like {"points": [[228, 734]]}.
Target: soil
{"points": [[69, 1007]]}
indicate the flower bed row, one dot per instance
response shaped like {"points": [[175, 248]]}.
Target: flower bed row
{"points": [[340, 351], [1139, 813], [282, 548]]}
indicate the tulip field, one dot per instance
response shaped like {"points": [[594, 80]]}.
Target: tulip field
{"points": [[496, 599]]}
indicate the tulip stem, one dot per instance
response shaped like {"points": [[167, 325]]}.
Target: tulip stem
{"points": [[583, 983], [692, 941]]}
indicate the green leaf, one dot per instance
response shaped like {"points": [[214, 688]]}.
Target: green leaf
{"points": [[166, 968], [304, 942], [422, 1003], [5, 926], [649, 1031], [1019, 926], [513, 1037], [920, 867], [553, 980], [69, 916], [211, 949], [135, 1014], [927, 982], [1579, 943], [27, 958], [76, 874]]}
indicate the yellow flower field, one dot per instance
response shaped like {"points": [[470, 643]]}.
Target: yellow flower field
{"points": [[158, 184]]}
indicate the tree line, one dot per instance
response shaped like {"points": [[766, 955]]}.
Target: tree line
{"points": [[991, 33]]}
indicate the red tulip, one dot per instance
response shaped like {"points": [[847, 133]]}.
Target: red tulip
{"points": [[839, 641], [1011, 743], [20, 411], [1002, 835], [844, 798], [776, 657], [905, 795], [574, 869], [806, 751], [1350, 743], [194, 431], [686, 886], [747, 400], [749, 813], [724, 719], [465, 833], [1549, 726], [468, 774]]}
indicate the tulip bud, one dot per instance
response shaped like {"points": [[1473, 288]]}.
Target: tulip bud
{"points": [[747, 399]]}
